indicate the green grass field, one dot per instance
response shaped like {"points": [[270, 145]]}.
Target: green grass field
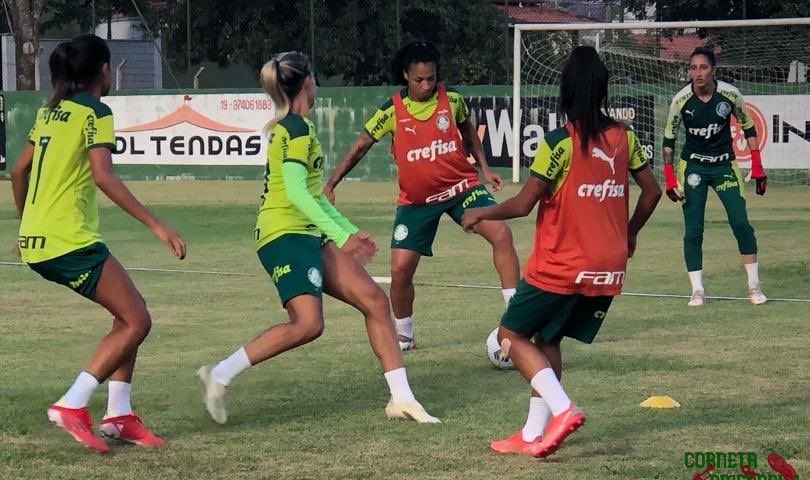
{"points": [[740, 372]]}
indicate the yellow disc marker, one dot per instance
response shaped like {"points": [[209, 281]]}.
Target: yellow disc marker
{"points": [[660, 401]]}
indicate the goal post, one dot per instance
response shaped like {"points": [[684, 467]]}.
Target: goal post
{"points": [[768, 60]]}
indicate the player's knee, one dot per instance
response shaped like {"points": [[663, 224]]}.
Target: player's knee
{"points": [[375, 302], [692, 235], [501, 236], [401, 274], [309, 331], [741, 227], [139, 323]]}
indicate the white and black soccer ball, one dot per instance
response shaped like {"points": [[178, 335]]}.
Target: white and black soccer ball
{"points": [[495, 354]]}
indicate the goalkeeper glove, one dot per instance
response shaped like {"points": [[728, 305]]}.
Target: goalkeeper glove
{"points": [[673, 189], [758, 173]]}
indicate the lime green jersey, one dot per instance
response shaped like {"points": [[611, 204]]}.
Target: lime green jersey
{"points": [[60, 213], [383, 120], [292, 139]]}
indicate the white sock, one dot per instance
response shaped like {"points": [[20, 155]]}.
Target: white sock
{"points": [[398, 385], [232, 366], [696, 279], [507, 294], [118, 403], [79, 393], [753, 274], [405, 326], [546, 384], [539, 414]]}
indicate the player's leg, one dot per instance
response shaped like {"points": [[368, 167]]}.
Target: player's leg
{"points": [[532, 310], [117, 293], [414, 230], [497, 233], [729, 189], [346, 280], [120, 421], [539, 413], [98, 276], [695, 189], [295, 265]]}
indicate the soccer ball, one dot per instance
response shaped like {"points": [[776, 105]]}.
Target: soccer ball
{"points": [[495, 353]]}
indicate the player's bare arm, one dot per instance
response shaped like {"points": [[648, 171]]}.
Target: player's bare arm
{"points": [[472, 144], [518, 206], [350, 159]]}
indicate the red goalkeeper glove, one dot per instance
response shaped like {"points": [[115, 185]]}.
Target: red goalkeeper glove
{"points": [[671, 183], [758, 173]]}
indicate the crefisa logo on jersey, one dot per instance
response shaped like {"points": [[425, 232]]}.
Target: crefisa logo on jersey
{"points": [[443, 122], [723, 109]]}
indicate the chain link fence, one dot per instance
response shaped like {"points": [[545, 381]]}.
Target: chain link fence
{"points": [[136, 59]]}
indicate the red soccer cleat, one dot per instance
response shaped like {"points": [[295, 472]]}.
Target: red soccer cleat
{"points": [[78, 423], [558, 427], [129, 428], [515, 444]]}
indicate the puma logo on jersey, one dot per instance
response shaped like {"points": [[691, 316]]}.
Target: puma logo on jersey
{"points": [[430, 152], [601, 155], [411, 129], [607, 189], [705, 132], [691, 113]]}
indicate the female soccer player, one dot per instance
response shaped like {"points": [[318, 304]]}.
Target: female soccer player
{"points": [[705, 107], [307, 248], [431, 130], [582, 242], [68, 150]]}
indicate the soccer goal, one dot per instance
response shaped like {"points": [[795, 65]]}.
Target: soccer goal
{"points": [[767, 60]]}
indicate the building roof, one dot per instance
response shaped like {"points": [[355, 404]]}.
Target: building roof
{"points": [[538, 13]]}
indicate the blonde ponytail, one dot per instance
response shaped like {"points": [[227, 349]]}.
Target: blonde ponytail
{"points": [[283, 78], [269, 79]]}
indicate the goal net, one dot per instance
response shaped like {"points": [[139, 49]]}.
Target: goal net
{"points": [[767, 60]]}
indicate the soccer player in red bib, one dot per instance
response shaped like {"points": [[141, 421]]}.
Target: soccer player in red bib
{"points": [[431, 131], [583, 239]]}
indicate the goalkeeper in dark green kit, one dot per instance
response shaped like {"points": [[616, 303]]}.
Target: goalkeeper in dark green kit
{"points": [[705, 107]]}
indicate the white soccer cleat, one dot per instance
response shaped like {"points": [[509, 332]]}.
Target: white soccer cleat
{"points": [[697, 299], [410, 410], [406, 343], [213, 394], [756, 296]]}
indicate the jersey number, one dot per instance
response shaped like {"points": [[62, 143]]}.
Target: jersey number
{"points": [[43, 143]]}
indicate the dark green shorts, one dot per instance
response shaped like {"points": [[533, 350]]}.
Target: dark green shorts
{"points": [[78, 270], [553, 316], [294, 263], [415, 225]]}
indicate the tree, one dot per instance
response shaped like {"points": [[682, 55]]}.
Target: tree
{"points": [[677, 10], [354, 39], [25, 16], [69, 14]]}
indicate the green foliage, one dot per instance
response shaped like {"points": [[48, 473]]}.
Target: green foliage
{"points": [[353, 40]]}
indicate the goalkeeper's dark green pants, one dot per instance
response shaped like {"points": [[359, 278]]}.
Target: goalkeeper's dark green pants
{"points": [[726, 180]]}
